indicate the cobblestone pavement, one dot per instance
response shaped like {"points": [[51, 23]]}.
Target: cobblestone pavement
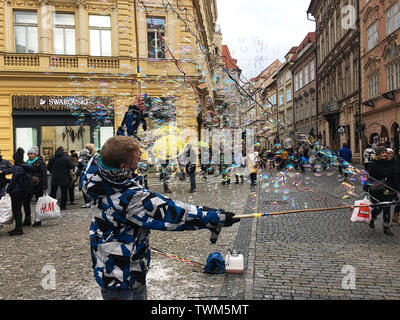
{"points": [[297, 256], [310, 255], [63, 245]]}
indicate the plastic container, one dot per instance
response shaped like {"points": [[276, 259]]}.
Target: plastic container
{"points": [[234, 262]]}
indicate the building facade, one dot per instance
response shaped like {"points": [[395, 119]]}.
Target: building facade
{"points": [[338, 72], [68, 69], [284, 84], [380, 67], [304, 88]]}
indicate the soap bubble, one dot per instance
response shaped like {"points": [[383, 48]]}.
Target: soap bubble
{"points": [[297, 178], [329, 171], [318, 170]]}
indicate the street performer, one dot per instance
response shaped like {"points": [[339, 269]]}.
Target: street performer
{"points": [[123, 212]]}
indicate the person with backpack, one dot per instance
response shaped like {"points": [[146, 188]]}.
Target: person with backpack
{"points": [[59, 166], [38, 170], [367, 156], [19, 187]]}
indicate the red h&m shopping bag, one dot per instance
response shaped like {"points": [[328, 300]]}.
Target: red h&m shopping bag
{"points": [[361, 211]]}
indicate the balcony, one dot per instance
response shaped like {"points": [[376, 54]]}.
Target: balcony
{"points": [[45, 63], [330, 107]]}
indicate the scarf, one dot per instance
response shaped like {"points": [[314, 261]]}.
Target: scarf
{"points": [[113, 174], [30, 162]]}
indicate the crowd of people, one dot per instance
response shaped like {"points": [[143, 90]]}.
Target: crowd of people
{"points": [[29, 180]]}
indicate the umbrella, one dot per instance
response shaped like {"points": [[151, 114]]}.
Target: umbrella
{"points": [[168, 147], [203, 144], [166, 130]]}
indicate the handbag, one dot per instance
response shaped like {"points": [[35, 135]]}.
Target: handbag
{"points": [[47, 208], [362, 211], [6, 214], [190, 168]]}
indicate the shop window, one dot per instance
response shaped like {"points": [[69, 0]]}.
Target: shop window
{"points": [[101, 135], [69, 137], [25, 138], [25, 32]]}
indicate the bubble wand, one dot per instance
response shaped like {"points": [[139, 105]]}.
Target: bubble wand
{"points": [[137, 51]]}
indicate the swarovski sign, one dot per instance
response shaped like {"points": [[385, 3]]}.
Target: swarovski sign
{"points": [[58, 103]]}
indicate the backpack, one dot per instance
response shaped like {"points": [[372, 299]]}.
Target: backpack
{"points": [[26, 182], [215, 264]]}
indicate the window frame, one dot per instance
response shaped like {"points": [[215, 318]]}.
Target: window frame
{"points": [[25, 25], [156, 31], [100, 29], [63, 28]]}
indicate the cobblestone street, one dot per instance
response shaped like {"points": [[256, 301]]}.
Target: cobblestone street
{"points": [[296, 256]]}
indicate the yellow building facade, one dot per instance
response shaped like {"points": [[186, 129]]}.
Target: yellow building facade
{"points": [[68, 69]]}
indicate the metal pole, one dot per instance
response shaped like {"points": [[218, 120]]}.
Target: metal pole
{"points": [[137, 51]]}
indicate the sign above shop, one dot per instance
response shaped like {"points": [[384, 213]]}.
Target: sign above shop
{"points": [[57, 103]]}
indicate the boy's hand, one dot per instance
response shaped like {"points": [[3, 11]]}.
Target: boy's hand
{"points": [[139, 102], [229, 218]]}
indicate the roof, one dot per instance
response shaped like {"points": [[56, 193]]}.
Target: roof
{"points": [[268, 71], [229, 62]]}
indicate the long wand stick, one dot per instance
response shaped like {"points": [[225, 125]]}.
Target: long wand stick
{"points": [[137, 51], [258, 215]]}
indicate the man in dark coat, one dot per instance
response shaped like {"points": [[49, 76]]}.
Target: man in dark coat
{"points": [[5, 168], [382, 183], [38, 170], [59, 166]]}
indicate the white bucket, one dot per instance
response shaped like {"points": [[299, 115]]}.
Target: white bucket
{"points": [[234, 262]]}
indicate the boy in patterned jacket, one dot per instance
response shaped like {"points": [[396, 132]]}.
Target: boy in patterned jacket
{"points": [[123, 212]]}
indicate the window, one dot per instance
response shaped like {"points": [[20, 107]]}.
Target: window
{"points": [[100, 35], [296, 82], [373, 86], [347, 80], [393, 76], [64, 33], [372, 34], [155, 37], [312, 70], [280, 81], [288, 75], [281, 102], [306, 75], [25, 32], [301, 79], [289, 95], [338, 27], [356, 74], [392, 19]]}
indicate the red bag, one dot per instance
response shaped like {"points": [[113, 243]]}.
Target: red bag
{"points": [[362, 211]]}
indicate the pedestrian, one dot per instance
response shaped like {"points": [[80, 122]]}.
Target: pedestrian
{"points": [[190, 160], [240, 164], [252, 166], [124, 214], [345, 157], [59, 166], [71, 187], [38, 170], [84, 157], [17, 189], [382, 174], [367, 156], [5, 168], [143, 170], [225, 170], [181, 164], [166, 172]]}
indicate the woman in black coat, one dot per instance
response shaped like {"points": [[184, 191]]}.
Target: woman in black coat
{"points": [[381, 187], [59, 166], [17, 191], [38, 170]]}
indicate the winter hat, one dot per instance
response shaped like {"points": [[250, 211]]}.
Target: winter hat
{"points": [[84, 152], [379, 150], [389, 150], [33, 150], [19, 156]]}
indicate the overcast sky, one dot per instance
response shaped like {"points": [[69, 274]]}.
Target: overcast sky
{"points": [[258, 32]]}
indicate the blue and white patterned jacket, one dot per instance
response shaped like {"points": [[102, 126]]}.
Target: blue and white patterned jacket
{"points": [[123, 212]]}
